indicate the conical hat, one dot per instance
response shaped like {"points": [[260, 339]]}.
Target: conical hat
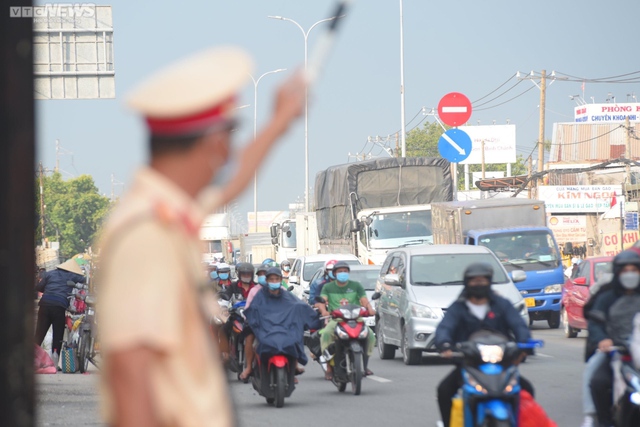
{"points": [[72, 266]]}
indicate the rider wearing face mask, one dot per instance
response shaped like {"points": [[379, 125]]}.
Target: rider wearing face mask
{"points": [[240, 289], [615, 306], [316, 286], [477, 308], [285, 266], [224, 279]]}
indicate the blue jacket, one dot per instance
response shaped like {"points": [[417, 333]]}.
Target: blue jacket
{"points": [[54, 287], [459, 323], [279, 323], [315, 289]]}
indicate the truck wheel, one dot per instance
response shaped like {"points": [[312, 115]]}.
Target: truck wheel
{"points": [[569, 332], [409, 356], [554, 320], [385, 351]]}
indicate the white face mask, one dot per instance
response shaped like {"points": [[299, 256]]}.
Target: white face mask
{"points": [[629, 280]]}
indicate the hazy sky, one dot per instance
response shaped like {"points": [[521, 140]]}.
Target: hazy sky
{"points": [[467, 46]]}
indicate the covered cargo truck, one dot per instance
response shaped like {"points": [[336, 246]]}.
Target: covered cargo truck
{"points": [[515, 230]]}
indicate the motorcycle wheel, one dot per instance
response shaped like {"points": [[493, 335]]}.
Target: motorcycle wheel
{"points": [[83, 351], [281, 386], [356, 373], [492, 422]]}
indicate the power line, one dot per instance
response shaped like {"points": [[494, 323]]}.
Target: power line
{"points": [[509, 100], [495, 90], [493, 99], [600, 79]]}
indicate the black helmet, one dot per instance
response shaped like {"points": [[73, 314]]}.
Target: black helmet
{"points": [[478, 269], [625, 258], [262, 269], [341, 264], [285, 263], [274, 271], [244, 268]]}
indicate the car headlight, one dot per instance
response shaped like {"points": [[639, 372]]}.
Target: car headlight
{"points": [[553, 289], [364, 332], [341, 333], [423, 312]]}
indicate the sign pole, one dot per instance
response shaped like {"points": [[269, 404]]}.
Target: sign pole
{"points": [[621, 224]]}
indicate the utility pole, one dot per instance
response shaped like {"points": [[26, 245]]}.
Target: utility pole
{"points": [[41, 173], [543, 98], [627, 150], [530, 169], [402, 113]]}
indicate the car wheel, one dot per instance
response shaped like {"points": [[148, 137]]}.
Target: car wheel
{"points": [[569, 332], [385, 351], [409, 356], [554, 320]]}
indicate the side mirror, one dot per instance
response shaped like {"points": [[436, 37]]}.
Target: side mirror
{"points": [[306, 291], [273, 230], [518, 276], [355, 225], [392, 280], [368, 220], [294, 280], [582, 281], [274, 240], [375, 296], [291, 288]]}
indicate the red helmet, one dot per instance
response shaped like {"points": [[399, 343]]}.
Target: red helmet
{"points": [[329, 264]]}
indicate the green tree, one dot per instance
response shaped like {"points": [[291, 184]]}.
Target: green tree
{"points": [[74, 211], [424, 142]]}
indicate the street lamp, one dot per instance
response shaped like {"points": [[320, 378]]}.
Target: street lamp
{"points": [[305, 34], [255, 124]]}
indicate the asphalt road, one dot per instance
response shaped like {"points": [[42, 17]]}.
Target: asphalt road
{"points": [[396, 395]]}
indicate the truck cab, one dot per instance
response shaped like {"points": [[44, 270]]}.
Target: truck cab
{"points": [[382, 229], [283, 238]]}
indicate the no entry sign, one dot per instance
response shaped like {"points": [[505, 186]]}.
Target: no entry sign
{"points": [[454, 109]]}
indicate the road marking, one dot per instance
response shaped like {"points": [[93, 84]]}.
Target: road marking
{"points": [[454, 109], [453, 144], [379, 379], [543, 355]]}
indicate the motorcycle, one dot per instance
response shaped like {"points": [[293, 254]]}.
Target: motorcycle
{"points": [[236, 321], [350, 346], [491, 380], [273, 378], [626, 410]]}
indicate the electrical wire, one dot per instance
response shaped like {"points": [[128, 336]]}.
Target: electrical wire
{"points": [[495, 90], [587, 140], [509, 100], [599, 79], [496, 97]]}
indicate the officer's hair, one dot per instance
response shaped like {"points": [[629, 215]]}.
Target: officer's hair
{"points": [[161, 145]]}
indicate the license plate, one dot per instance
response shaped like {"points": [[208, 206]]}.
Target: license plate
{"points": [[530, 302], [370, 321]]}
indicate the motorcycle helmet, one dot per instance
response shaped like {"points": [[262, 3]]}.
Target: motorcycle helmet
{"points": [[625, 258], [341, 264], [270, 262], [244, 268], [285, 265], [477, 269], [223, 268], [262, 269], [329, 265]]}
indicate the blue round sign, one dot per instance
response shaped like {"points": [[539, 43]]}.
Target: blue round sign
{"points": [[454, 145]]}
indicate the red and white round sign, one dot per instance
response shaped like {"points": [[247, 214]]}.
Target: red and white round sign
{"points": [[454, 109]]}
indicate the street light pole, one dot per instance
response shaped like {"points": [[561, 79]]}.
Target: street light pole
{"points": [[255, 130], [305, 34], [403, 135]]}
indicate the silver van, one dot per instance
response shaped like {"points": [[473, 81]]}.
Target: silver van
{"points": [[417, 284]]}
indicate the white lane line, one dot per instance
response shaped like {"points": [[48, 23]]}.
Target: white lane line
{"points": [[454, 109], [543, 355], [379, 379]]}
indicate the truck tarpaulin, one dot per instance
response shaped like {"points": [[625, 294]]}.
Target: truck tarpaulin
{"points": [[378, 183]]}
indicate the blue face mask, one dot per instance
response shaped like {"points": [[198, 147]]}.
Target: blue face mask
{"points": [[274, 286], [224, 276], [331, 276], [213, 275], [262, 280], [342, 277]]}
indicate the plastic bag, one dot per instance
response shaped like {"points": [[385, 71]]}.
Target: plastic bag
{"points": [[48, 340], [457, 413], [43, 362], [532, 414]]}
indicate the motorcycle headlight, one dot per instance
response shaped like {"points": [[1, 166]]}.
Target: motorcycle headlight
{"points": [[553, 289], [341, 333], [364, 333], [491, 353], [423, 312]]}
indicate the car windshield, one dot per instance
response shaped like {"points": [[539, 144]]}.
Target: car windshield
{"points": [[527, 250], [601, 268], [311, 267], [447, 269], [367, 277], [289, 236], [391, 230]]}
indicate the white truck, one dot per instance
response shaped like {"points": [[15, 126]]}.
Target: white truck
{"points": [[216, 238], [367, 208], [284, 240]]}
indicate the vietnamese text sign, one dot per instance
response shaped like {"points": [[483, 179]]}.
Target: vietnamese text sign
{"points": [[569, 228], [607, 113], [578, 198], [611, 242], [499, 144]]}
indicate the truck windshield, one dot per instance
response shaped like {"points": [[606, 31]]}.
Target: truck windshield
{"points": [[391, 230], [289, 236], [213, 246], [527, 250], [447, 269]]}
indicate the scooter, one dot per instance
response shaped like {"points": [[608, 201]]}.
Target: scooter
{"points": [[626, 410], [273, 378], [491, 380], [236, 338], [350, 347]]}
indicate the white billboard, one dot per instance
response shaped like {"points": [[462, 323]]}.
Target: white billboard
{"points": [[579, 198], [499, 144], [607, 113], [569, 228]]}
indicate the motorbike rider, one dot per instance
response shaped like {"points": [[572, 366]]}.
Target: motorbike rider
{"points": [[278, 319], [343, 291], [316, 286], [477, 308], [610, 324], [241, 287], [285, 266], [224, 277]]}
